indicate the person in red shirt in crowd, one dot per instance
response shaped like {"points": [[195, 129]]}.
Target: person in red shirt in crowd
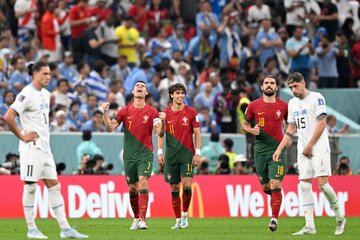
{"points": [[50, 33], [79, 19], [139, 12], [355, 52], [156, 16], [100, 10]]}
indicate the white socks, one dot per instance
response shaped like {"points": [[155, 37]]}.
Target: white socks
{"points": [[308, 203], [56, 202], [332, 198], [28, 204]]}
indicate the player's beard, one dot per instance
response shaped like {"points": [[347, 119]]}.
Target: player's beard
{"points": [[269, 94]]}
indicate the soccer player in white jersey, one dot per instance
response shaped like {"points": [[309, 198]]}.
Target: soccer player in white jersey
{"points": [[36, 159], [307, 116]]}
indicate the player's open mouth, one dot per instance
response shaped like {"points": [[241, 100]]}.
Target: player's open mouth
{"points": [[139, 91]]}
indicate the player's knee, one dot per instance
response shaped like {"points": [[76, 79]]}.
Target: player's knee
{"points": [[30, 188], [175, 187], [54, 188]]}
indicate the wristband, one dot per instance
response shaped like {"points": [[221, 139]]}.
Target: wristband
{"points": [[160, 151], [197, 151]]}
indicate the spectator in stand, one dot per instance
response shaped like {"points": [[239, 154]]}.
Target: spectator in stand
{"points": [[121, 70], [109, 49], [137, 74], [177, 61], [139, 13], [343, 167], [29, 54], [223, 167], [128, 38], [343, 61], [79, 19], [8, 99], [68, 70], [118, 10], [203, 168], [155, 53], [62, 14], [212, 150], [299, 49], [267, 40], [200, 49], [95, 124], [177, 39], [83, 70], [97, 82], [61, 93], [224, 111], [4, 83], [157, 17], [327, 54], [87, 146], [258, 12], [207, 121], [92, 43], [60, 124], [55, 76], [74, 117], [153, 87], [329, 18], [25, 11], [19, 78], [171, 79], [230, 44], [240, 165], [115, 87], [295, 11], [50, 34], [100, 10], [88, 108], [205, 98], [206, 20]]}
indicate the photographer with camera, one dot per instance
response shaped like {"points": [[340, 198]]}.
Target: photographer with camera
{"points": [[223, 166], [94, 166]]}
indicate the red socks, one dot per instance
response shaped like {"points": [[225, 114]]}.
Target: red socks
{"points": [[186, 198], [134, 201], [143, 203], [275, 202], [176, 203]]}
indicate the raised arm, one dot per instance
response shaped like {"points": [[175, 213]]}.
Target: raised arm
{"points": [[109, 124], [160, 126]]}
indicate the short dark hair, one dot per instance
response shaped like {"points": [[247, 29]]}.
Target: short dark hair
{"points": [[36, 67], [214, 137], [86, 135], [229, 143], [273, 77], [176, 87], [295, 77], [63, 80]]}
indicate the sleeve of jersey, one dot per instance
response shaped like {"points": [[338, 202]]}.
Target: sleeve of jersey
{"points": [[248, 113], [21, 102], [195, 120], [290, 118], [320, 105], [120, 115]]}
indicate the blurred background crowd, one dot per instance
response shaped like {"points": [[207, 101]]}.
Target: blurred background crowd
{"points": [[219, 49]]}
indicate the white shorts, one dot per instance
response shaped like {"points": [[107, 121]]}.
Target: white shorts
{"points": [[36, 164], [316, 166]]}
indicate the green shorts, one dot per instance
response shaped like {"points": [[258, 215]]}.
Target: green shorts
{"points": [[174, 172], [267, 168], [135, 169]]}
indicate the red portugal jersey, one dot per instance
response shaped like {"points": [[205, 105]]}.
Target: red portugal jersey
{"points": [[179, 134], [270, 118], [138, 129]]}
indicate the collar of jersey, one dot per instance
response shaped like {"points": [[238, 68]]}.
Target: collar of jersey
{"points": [[33, 87]]}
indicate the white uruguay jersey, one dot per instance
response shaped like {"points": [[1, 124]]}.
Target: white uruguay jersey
{"points": [[32, 106], [304, 113]]}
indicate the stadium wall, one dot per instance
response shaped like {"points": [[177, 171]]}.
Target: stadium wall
{"points": [[213, 196]]}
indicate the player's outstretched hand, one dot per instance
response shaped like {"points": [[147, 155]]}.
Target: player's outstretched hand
{"points": [[162, 116], [161, 161], [276, 155], [256, 130], [196, 160], [105, 106], [30, 136]]}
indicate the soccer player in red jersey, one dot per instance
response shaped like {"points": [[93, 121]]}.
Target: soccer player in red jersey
{"points": [[180, 156], [139, 120], [267, 115]]}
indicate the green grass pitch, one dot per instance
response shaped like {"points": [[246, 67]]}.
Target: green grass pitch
{"points": [[207, 228]]}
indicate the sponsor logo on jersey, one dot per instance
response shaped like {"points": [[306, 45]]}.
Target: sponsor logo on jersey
{"points": [[261, 113]]}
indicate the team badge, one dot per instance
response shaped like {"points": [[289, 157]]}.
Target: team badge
{"points": [[146, 118], [185, 121], [21, 98], [321, 102], [278, 114]]}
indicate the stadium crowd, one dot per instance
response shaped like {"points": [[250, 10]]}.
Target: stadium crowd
{"points": [[219, 49]]}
